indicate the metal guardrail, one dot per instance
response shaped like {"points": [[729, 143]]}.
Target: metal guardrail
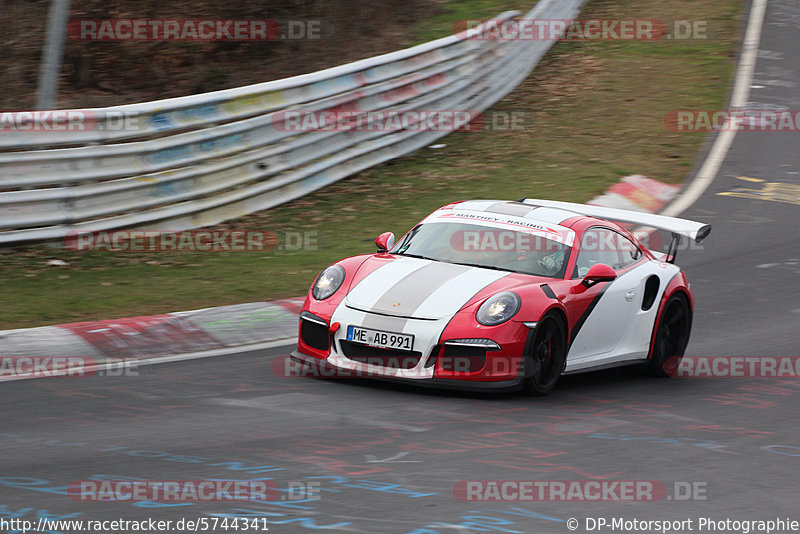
{"points": [[199, 160]]}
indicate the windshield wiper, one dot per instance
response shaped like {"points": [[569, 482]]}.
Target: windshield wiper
{"points": [[420, 256], [481, 266]]}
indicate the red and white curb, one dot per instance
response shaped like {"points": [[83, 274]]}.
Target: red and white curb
{"points": [[637, 193], [50, 350]]}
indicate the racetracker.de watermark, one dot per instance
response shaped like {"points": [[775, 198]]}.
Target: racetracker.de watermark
{"points": [[744, 120], [18, 367], [578, 490], [190, 241], [376, 121], [738, 367], [400, 366], [433, 120], [193, 30], [582, 30], [173, 490], [69, 120], [501, 241]]}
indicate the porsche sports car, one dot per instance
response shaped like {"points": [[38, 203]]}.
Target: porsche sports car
{"points": [[504, 295]]}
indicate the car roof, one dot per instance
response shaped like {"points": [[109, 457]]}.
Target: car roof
{"points": [[518, 209]]}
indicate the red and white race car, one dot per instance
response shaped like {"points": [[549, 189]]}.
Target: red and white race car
{"points": [[498, 294]]}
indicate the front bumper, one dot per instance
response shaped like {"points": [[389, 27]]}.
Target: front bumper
{"points": [[325, 369], [444, 351]]}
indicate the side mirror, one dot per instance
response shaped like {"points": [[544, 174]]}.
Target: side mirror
{"points": [[385, 241], [599, 272]]}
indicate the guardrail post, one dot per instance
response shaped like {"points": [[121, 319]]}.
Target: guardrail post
{"points": [[52, 55]]}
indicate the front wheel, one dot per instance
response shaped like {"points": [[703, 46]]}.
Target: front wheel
{"points": [[545, 360], [671, 337]]}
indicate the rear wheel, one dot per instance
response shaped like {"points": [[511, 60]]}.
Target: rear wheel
{"points": [[545, 360], [671, 337]]}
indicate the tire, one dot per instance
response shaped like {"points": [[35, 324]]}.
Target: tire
{"points": [[671, 337], [544, 362]]}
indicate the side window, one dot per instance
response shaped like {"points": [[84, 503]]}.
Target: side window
{"points": [[598, 245], [629, 252]]}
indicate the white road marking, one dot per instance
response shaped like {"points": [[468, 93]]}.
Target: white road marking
{"points": [[372, 459], [133, 362], [741, 93]]}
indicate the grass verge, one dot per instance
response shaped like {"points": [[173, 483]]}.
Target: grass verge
{"points": [[592, 112]]}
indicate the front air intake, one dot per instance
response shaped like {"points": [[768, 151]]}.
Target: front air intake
{"points": [[314, 335]]}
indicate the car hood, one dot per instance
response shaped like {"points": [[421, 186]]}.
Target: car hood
{"points": [[422, 289]]}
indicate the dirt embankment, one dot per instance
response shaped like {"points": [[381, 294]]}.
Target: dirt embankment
{"points": [[104, 73]]}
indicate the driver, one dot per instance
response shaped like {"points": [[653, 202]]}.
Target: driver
{"points": [[552, 263]]}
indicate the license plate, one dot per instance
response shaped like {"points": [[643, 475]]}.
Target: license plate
{"points": [[377, 338]]}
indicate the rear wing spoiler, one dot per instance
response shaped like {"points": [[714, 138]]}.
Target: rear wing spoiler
{"points": [[678, 227]]}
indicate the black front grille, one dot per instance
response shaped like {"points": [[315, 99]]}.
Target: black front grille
{"points": [[393, 359], [463, 358], [314, 335]]}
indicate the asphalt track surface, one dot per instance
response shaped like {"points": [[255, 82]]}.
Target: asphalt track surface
{"points": [[366, 456]]}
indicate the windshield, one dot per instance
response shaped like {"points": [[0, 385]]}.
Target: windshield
{"points": [[488, 247]]}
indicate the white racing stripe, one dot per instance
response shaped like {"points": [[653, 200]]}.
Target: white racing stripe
{"points": [[475, 205], [433, 291], [452, 295], [404, 296], [367, 292], [510, 208], [445, 289], [550, 215]]}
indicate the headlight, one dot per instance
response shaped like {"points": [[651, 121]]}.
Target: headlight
{"points": [[328, 282], [498, 309]]}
